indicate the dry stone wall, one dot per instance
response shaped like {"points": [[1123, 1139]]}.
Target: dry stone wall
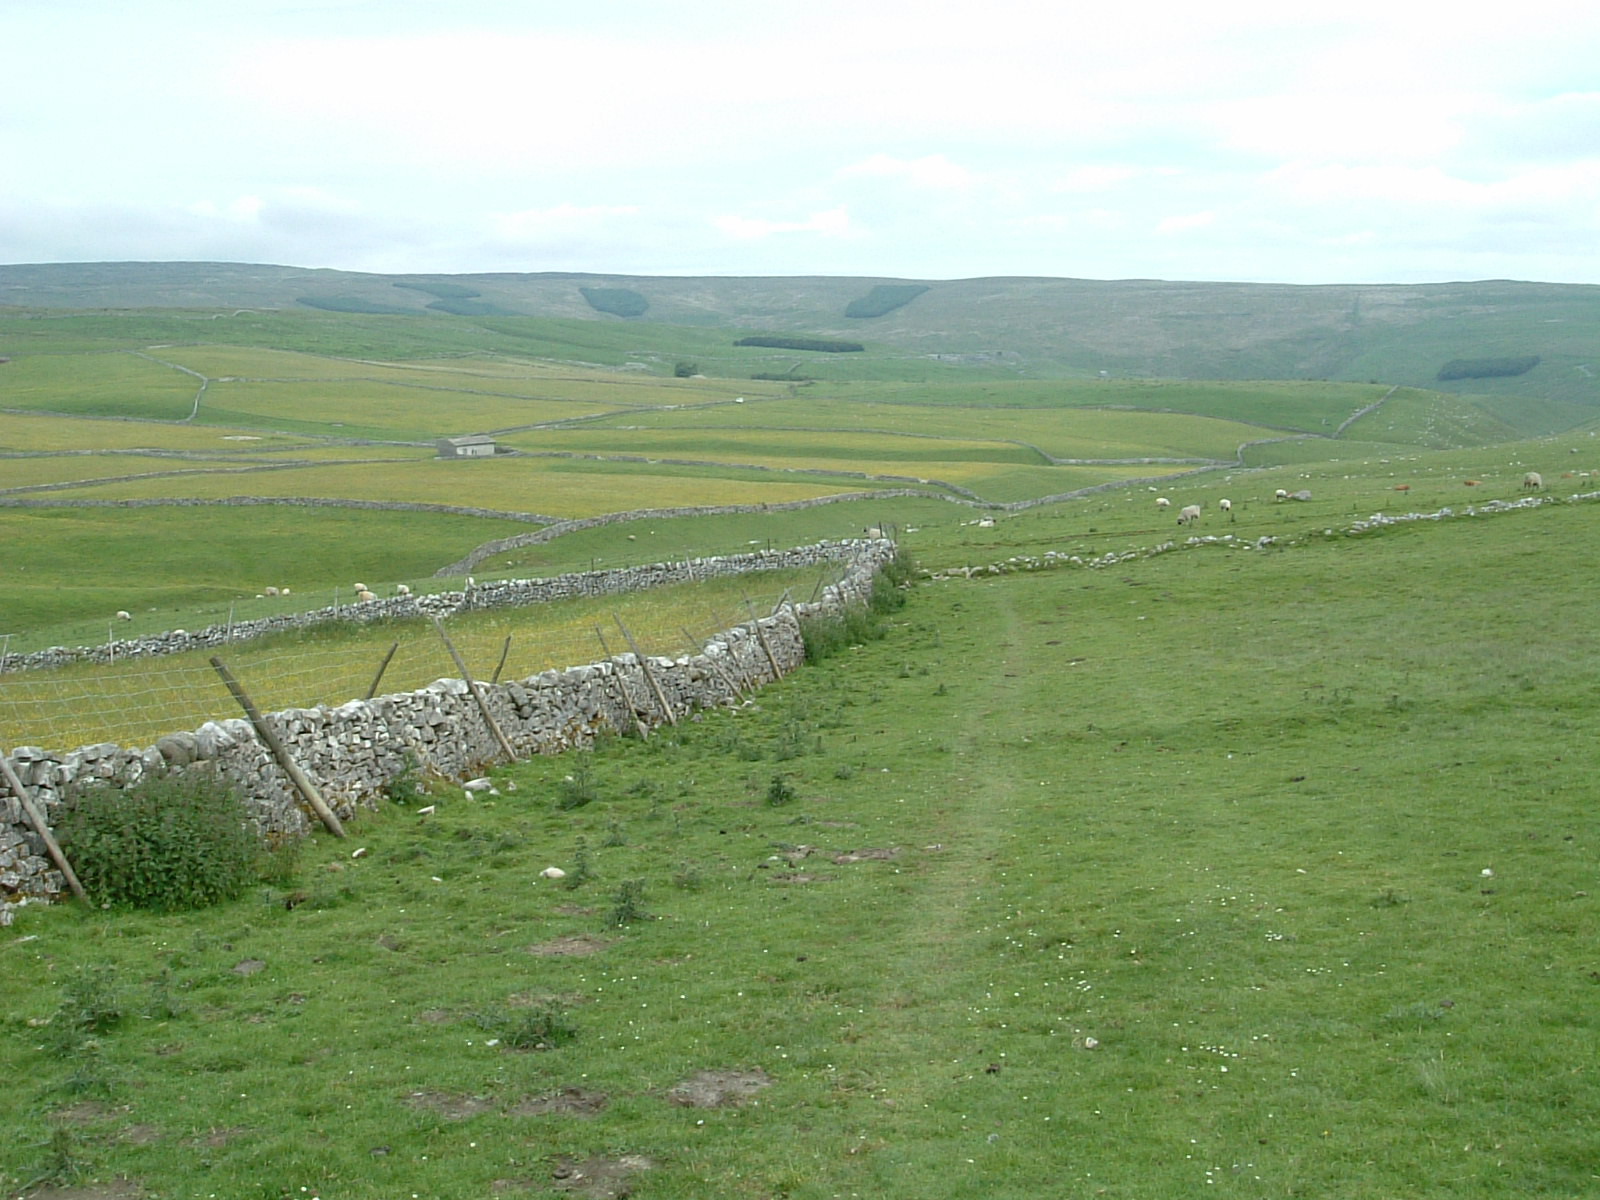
{"points": [[355, 750]]}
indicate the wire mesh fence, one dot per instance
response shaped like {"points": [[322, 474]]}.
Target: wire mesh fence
{"points": [[136, 701]]}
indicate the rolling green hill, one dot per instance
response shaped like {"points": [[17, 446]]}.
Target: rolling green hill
{"points": [[1003, 327]]}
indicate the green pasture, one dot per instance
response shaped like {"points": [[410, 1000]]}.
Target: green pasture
{"points": [[124, 385], [1067, 431], [23, 433], [69, 570], [1247, 872], [558, 486], [1312, 406], [866, 450]]}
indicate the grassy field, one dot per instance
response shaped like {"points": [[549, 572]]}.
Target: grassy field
{"points": [[1254, 872]]}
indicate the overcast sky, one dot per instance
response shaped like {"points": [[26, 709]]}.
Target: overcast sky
{"points": [[1309, 142]]}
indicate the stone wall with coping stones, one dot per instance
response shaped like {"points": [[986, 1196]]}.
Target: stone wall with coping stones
{"points": [[355, 750]]}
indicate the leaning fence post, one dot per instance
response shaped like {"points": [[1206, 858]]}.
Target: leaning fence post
{"points": [[269, 735], [505, 652], [650, 676], [477, 692], [761, 636], [639, 726], [36, 819], [715, 666], [382, 667]]}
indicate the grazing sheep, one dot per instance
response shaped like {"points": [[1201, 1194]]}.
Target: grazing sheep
{"points": [[363, 595], [283, 591], [1532, 481], [123, 615], [401, 589], [1188, 514], [986, 523], [271, 591], [1280, 494], [1227, 507], [1163, 503], [358, 587]]}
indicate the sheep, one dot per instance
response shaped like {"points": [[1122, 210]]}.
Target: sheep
{"points": [[1227, 507], [124, 615], [1163, 503], [1188, 514], [363, 595], [401, 589], [358, 587], [1532, 481], [271, 591], [986, 523], [1281, 494]]}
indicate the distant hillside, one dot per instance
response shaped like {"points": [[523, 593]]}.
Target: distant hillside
{"points": [[1029, 327]]}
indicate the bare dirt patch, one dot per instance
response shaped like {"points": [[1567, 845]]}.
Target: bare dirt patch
{"points": [[571, 1101], [600, 1178], [880, 854], [87, 1112], [452, 1106], [719, 1088], [570, 946]]}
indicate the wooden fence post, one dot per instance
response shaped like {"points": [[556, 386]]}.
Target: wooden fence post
{"points": [[36, 819], [269, 735], [622, 689], [477, 693], [650, 676], [382, 667]]}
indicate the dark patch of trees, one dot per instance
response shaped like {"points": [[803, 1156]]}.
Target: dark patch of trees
{"points": [[467, 307], [1488, 368], [618, 302], [884, 298], [444, 291], [353, 304], [826, 345]]}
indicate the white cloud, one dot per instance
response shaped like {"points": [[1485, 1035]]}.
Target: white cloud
{"points": [[1185, 222], [561, 219], [934, 171], [835, 223]]}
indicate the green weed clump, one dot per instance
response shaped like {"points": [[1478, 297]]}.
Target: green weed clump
{"points": [[857, 624], [169, 842]]}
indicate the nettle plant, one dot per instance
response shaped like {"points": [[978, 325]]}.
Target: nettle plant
{"points": [[173, 841]]}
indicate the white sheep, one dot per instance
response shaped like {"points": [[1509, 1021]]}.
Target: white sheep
{"points": [[358, 587], [1227, 507], [401, 589], [363, 595], [1281, 494], [1532, 481], [1188, 514], [124, 615], [1163, 503], [271, 591]]}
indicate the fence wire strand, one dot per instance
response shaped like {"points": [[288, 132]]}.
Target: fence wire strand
{"points": [[138, 700]]}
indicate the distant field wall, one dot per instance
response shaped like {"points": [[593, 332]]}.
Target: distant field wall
{"points": [[353, 752]]}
